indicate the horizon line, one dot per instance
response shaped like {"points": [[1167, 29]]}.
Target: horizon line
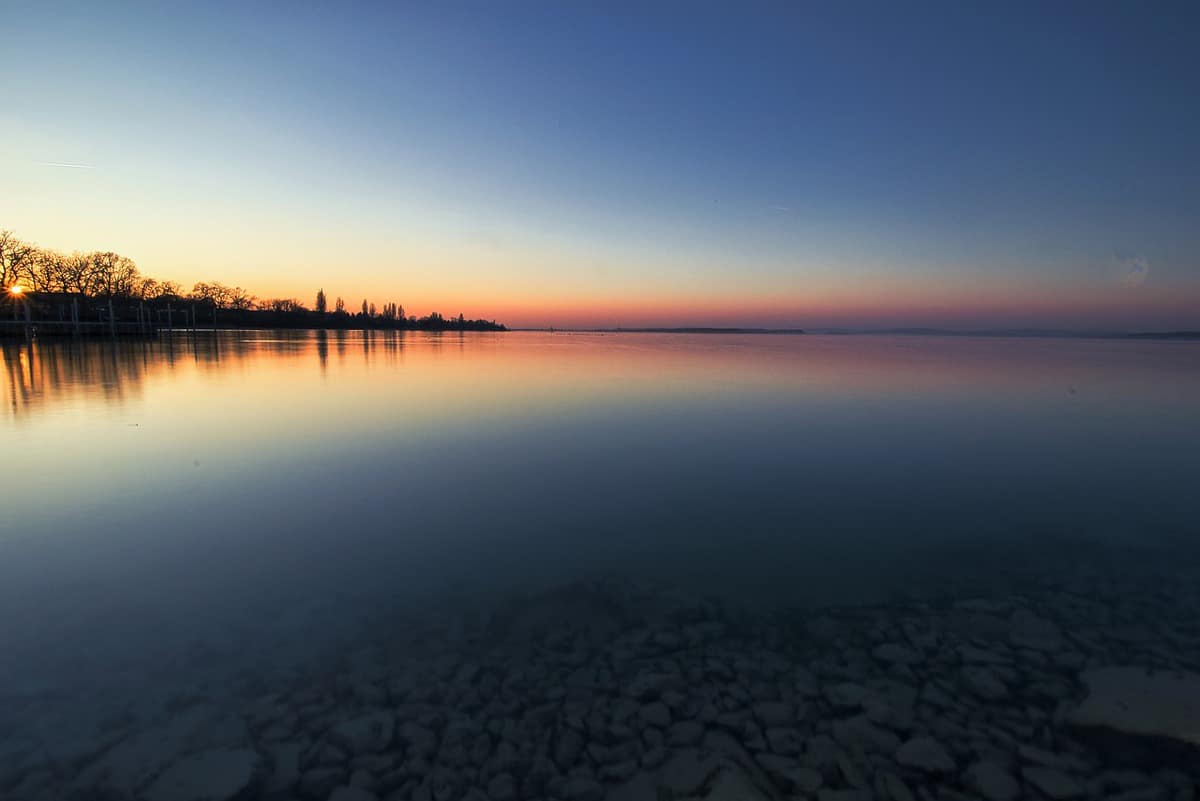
{"points": [[1065, 333]]}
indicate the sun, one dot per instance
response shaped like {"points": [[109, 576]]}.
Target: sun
{"points": [[16, 289]]}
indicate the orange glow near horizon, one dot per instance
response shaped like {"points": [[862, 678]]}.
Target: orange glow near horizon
{"points": [[537, 288], [883, 308], [983, 300]]}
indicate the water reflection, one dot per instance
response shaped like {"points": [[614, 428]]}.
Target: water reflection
{"points": [[55, 372], [197, 505]]}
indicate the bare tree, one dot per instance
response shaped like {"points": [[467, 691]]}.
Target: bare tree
{"points": [[76, 274], [282, 305], [212, 292], [14, 258], [45, 271], [240, 299], [111, 274], [169, 289]]}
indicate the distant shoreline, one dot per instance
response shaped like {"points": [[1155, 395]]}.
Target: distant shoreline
{"points": [[926, 332]]}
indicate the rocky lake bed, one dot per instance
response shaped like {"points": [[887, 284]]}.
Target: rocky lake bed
{"points": [[1085, 687]]}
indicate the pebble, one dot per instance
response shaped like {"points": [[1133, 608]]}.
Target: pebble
{"points": [[502, 787], [784, 741], [774, 713], [895, 788], [1053, 783], [582, 789], [790, 774], [367, 734], [992, 781], [846, 695], [352, 794], [685, 733], [827, 794], [656, 714], [894, 653], [984, 683], [861, 734], [925, 753]]}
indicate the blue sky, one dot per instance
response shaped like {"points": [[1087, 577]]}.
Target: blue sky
{"points": [[777, 163]]}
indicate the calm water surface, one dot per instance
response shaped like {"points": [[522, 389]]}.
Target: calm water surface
{"points": [[162, 492]]}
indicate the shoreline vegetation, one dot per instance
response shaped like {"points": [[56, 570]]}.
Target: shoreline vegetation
{"points": [[45, 291]]}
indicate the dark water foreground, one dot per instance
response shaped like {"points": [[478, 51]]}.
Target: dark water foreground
{"points": [[545, 566], [611, 689]]}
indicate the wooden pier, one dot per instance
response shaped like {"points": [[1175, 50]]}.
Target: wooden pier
{"points": [[35, 315], [67, 328]]}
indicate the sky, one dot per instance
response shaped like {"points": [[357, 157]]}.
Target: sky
{"points": [[574, 164]]}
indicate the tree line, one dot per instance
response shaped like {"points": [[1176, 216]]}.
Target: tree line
{"points": [[104, 274]]}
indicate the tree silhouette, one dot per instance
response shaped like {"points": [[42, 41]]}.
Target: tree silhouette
{"points": [[14, 257], [113, 277]]}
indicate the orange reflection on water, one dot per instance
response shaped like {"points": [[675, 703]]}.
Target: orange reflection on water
{"points": [[437, 374], [148, 414]]}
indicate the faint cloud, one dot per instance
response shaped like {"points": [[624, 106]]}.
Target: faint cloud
{"points": [[64, 164], [1134, 270], [782, 208]]}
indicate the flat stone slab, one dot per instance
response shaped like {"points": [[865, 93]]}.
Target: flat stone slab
{"points": [[221, 775], [1133, 700]]}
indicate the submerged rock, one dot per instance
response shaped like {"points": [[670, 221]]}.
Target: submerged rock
{"points": [[352, 794], [1136, 701], [369, 734], [894, 653], [582, 789], [774, 713], [925, 753], [992, 782], [1053, 783], [143, 755], [847, 695], [1029, 630], [984, 683], [656, 714], [790, 775], [220, 775], [733, 785], [685, 733]]}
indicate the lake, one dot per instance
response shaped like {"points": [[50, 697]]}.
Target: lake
{"points": [[218, 511]]}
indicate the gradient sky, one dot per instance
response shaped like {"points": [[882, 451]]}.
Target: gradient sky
{"points": [[805, 165]]}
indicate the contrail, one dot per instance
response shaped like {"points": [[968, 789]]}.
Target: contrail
{"points": [[782, 208], [63, 164]]}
